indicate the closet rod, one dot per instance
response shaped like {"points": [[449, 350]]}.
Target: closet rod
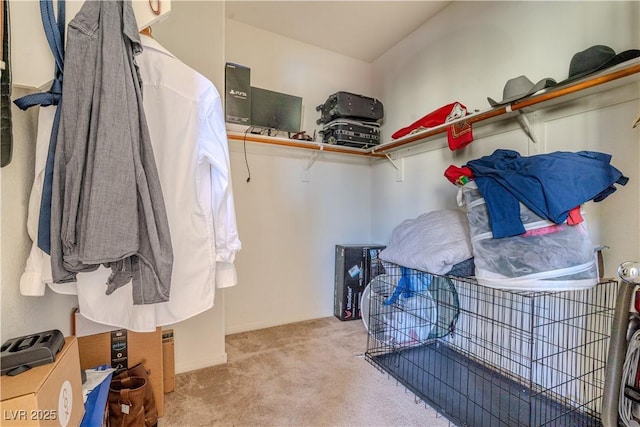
{"points": [[576, 87], [554, 93], [301, 144]]}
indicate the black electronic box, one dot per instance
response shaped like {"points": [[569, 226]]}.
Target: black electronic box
{"points": [[22, 353]]}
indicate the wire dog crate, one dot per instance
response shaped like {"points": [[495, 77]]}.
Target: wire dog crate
{"points": [[484, 357]]}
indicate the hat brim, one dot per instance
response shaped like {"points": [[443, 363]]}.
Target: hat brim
{"points": [[618, 59], [542, 84]]}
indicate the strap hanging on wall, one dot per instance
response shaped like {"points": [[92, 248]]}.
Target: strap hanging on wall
{"points": [[6, 133], [54, 30]]}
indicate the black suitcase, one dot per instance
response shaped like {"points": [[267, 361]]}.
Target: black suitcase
{"points": [[350, 105], [351, 133]]}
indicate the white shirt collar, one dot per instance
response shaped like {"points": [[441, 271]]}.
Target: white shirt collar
{"points": [[151, 43]]}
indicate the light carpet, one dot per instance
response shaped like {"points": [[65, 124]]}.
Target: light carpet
{"points": [[310, 373]]}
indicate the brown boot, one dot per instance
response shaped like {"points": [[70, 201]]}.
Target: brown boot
{"points": [[150, 409], [126, 397]]}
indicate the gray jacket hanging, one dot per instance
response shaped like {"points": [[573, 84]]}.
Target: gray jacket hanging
{"points": [[107, 204]]}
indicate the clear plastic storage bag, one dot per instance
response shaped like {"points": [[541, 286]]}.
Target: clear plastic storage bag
{"points": [[547, 256]]}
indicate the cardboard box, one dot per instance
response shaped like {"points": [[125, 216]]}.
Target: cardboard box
{"points": [[237, 98], [168, 361], [47, 395], [355, 266], [125, 349]]}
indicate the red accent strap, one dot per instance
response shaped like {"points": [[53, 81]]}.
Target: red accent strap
{"points": [[575, 216]]}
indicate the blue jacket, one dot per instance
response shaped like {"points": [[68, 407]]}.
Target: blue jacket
{"points": [[548, 184]]}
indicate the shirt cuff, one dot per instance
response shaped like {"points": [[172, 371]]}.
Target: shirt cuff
{"points": [[225, 274], [31, 284]]}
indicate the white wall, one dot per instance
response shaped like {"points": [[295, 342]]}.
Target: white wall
{"points": [[33, 66], [289, 227], [22, 315], [470, 49], [285, 65], [466, 53]]}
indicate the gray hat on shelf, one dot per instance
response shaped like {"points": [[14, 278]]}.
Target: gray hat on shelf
{"points": [[596, 58], [520, 87]]}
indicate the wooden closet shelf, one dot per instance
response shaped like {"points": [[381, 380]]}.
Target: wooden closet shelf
{"points": [[485, 117], [600, 82], [310, 145], [604, 80]]}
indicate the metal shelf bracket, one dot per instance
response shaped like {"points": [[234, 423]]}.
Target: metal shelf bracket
{"points": [[526, 126], [388, 156], [399, 169], [312, 159], [524, 123], [306, 166]]}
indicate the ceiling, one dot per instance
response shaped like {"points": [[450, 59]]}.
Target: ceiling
{"points": [[359, 29]]}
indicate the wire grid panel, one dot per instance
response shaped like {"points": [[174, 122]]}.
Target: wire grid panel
{"points": [[489, 357]]}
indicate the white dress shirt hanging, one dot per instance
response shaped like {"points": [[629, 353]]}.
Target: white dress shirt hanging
{"points": [[37, 272], [186, 123]]}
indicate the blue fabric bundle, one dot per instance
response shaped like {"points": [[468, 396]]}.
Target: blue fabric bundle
{"points": [[411, 283]]}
